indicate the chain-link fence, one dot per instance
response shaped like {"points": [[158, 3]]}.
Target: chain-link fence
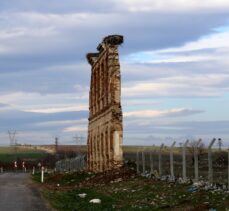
{"points": [[73, 164], [192, 161]]}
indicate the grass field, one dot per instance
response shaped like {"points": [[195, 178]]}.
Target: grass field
{"points": [[133, 193], [10, 154]]}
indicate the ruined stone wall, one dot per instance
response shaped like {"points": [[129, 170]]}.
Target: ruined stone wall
{"points": [[105, 130]]}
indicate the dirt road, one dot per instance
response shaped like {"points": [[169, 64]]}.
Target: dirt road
{"points": [[18, 194]]}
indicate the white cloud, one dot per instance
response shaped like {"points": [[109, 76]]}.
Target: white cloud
{"points": [[34, 31], [208, 48], [75, 129], [204, 70], [161, 113], [62, 122], [173, 5], [215, 40], [49, 103], [59, 109], [196, 85]]}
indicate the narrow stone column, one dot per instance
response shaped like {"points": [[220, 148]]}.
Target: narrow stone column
{"points": [[184, 175], [100, 154], [96, 155], [92, 94], [95, 90], [110, 147], [89, 154], [98, 90], [100, 85], [107, 148], [210, 169], [171, 161], [101, 151]]}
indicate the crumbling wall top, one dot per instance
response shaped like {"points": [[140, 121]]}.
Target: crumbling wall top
{"points": [[110, 40], [113, 39], [92, 58]]}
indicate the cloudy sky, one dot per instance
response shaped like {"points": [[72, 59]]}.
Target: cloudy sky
{"points": [[174, 65]]}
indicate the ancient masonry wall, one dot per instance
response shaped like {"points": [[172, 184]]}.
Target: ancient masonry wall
{"points": [[105, 129]]}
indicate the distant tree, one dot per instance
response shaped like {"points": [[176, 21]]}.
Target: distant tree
{"points": [[200, 148]]}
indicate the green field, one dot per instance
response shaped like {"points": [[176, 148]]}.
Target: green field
{"points": [[10, 154], [133, 193]]}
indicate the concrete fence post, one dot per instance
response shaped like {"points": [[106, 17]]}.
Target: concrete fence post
{"points": [[196, 160], [42, 174], [151, 161], [171, 161], [210, 169], [137, 162], [143, 162], [159, 160], [228, 170], [33, 170], [184, 175], [1, 169]]}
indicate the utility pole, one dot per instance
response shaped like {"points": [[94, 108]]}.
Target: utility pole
{"points": [[56, 143], [79, 141], [13, 142], [12, 137]]}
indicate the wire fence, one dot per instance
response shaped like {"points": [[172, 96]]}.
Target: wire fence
{"points": [[73, 164], [188, 161]]}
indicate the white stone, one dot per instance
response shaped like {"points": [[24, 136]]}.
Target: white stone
{"points": [[82, 195], [95, 201]]}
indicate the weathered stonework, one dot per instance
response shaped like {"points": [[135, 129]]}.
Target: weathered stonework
{"points": [[105, 130]]}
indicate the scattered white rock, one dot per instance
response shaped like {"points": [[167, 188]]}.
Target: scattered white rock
{"points": [[118, 180], [95, 201], [82, 195]]}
